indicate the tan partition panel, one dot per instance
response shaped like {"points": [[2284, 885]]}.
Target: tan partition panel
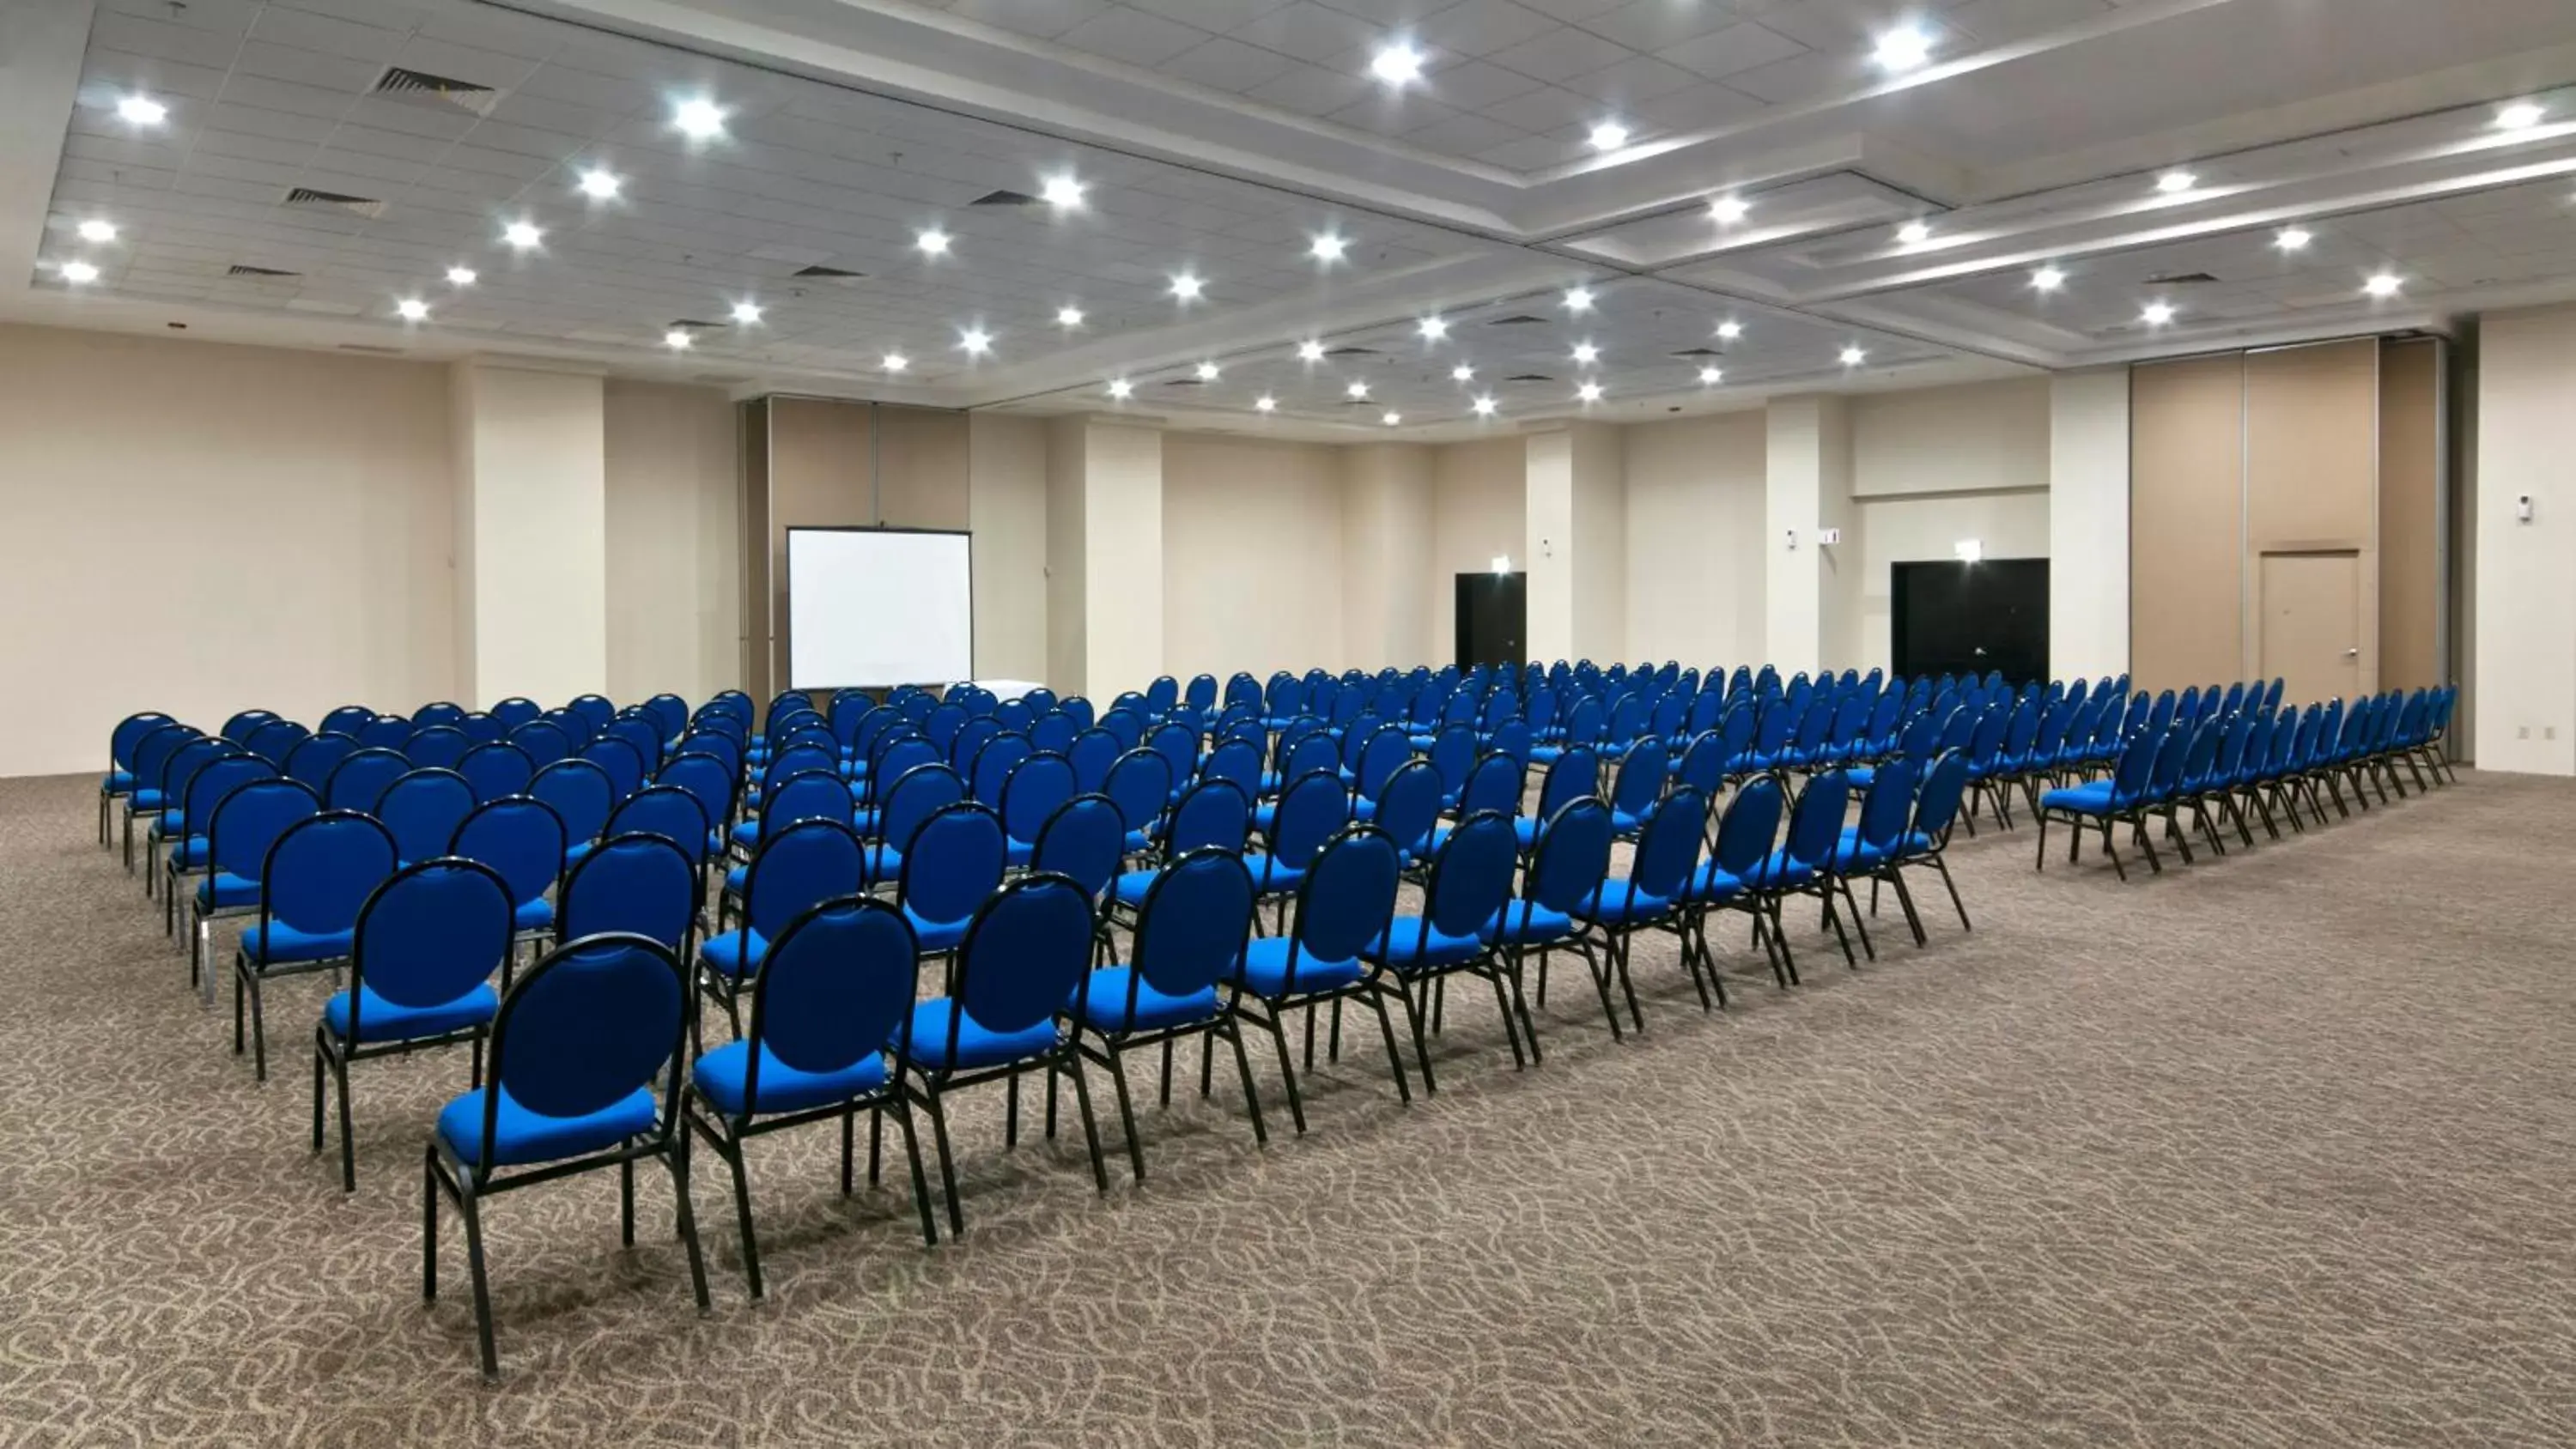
{"points": [[2312, 469], [2410, 534], [753, 539], [921, 468], [818, 476], [2186, 522]]}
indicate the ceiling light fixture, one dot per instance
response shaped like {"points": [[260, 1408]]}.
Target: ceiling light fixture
{"points": [[1853, 356], [1063, 190], [1357, 389], [95, 230], [2382, 284], [1188, 287], [1609, 136], [1586, 352], [1589, 392], [1578, 299], [1914, 233], [1395, 63], [1728, 210], [522, 234], [2291, 238], [142, 111], [1432, 329], [933, 243], [1903, 48], [1208, 371], [1310, 351], [1120, 387], [1968, 550], [1068, 317], [976, 341], [1484, 407], [698, 118], [896, 362], [598, 185], [1328, 248], [1265, 403], [412, 309], [2157, 314], [460, 276], [2520, 116], [746, 313], [1461, 372], [78, 273], [1710, 375], [1729, 331], [2048, 279], [2174, 183], [677, 339], [1394, 418]]}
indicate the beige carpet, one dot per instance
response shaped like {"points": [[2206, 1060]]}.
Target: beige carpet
{"points": [[2275, 1150]]}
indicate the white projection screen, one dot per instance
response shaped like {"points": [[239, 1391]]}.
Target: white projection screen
{"points": [[877, 607]]}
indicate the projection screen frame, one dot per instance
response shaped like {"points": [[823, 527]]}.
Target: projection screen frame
{"points": [[787, 551]]}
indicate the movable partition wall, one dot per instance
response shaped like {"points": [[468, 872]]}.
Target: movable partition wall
{"points": [[2288, 516], [821, 462]]}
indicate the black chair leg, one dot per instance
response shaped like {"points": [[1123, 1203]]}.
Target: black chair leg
{"points": [[1127, 1109]]}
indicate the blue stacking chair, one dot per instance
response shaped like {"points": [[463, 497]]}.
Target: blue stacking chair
{"points": [[164, 802], [799, 866], [1345, 898], [1307, 816], [1496, 783], [438, 713], [523, 840], [424, 950], [1868, 848], [621, 761], [385, 732], [632, 884], [184, 829], [909, 801], [1140, 784], [833, 995], [1744, 838], [1408, 810], [482, 729], [1926, 841], [1192, 924], [578, 1047], [1568, 863], [951, 865], [437, 747], [1085, 842], [1211, 815], [1466, 890], [1643, 773], [238, 836], [119, 780], [423, 809], [316, 756], [348, 719], [1037, 786], [1575, 774], [2125, 797], [1650, 898], [276, 739], [705, 780], [1803, 861], [361, 779], [542, 742], [582, 795], [1000, 1013], [315, 881], [668, 811]]}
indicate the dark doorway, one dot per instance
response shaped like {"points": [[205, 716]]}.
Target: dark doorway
{"points": [[1493, 618], [1959, 618]]}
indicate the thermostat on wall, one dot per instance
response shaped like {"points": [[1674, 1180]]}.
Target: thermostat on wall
{"points": [[1829, 535]]}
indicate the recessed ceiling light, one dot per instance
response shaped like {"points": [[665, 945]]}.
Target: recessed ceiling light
{"points": [[598, 184], [933, 243], [142, 110], [79, 273], [412, 309], [1609, 136], [460, 276], [2048, 279], [746, 312], [2157, 314], [1265, 403], [1484, 407], [2291, 238], [1208, 371], [1461, 372], [1710, 374], [1433, 329], [1068, 317], [1396, 63], [1730, 330], [677, 339], [976, 341], [1188, 287], [1578, 299], [1357, 389], [1120, 387], [95, 230], [2382, 284], [1729, 209], [1310, 351], [1589, 392], [1328, 248], [1903, 48], [1063, 190], [2173, 183], [1394, 418], [1854, 356], [896, 362], [522, 234], [2520, 116], [1586, 352], [698, 118], [1914, 233]]}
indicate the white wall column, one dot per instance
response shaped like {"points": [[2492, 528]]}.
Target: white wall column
{"points": [[1386, 536], [531, 534], [1575, 513], [2088, 523], [1812, 591], [2526, 567], [1104, 532]]}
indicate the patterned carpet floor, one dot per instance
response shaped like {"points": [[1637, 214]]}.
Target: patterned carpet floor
{"points": [[2275, 1150]]}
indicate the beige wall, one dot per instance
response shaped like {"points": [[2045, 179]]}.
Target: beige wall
{"points": [[201, 529], [2410, 531], [1386, 538], [1695, 539], [1478, 493], [1123, 547], [2186, 530], [1007, 509], [1927, 528], [1067, 624], [1252, 557], [674, 545], [2526, 572], [1973, 438]]}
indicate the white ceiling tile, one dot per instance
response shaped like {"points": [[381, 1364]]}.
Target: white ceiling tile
{"points": [[283, 125], [278, 95], [1310, 32], [1481, 27], [1463, 135], [1560, 53], [1043, 18], [326, 35], [1310, 90], [1704, 106], [1803, 78], [1842, 25], [1632, 82], [1648, 26], [1221, 16], [1997, 22], [1573, 11], [1741, 47], [1473, 85], [1386, 115], [1535, 153], [458, 62], [1136, 37], [287, 63], [1550, 109], [160, 40], [1227, 65], [256, 148]]}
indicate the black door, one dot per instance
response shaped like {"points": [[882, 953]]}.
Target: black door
{"points": [[1962, 618], [1493, 615]]}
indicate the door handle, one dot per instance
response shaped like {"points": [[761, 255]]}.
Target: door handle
{"points": [[2353, 653]]}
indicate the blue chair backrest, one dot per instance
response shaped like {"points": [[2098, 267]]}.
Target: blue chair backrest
{"points": [[316, 756], [216, 779], [809, 795], [385, 732], [1496, 783], [993, 765], [593, 1022], [497, 770], [1816, 821], [1127, 725], [482, 729], [322, 869], [1887, 805], [796, 760], [1141, 784], [705, 780], [670, 713], [1178, 744], [274, 740], [1053, 733], [1751, 823], [1211, 815], [1936, 804], [2172, 748], [921, 792], [1193, 926], [1024, 955], [423, 809], [1453, 754], [1643, 772], [518, 836], [1570, 777], [1084, 840], [622, 761], [515, 711], [1346, 900], [348, 719], [431, 933], [1037, 787], [1093, 751], [836, 986], [1668, 847], [238, 728], [1471, 875], [637, 883], [1312, 809], [1572, 857], [715, 744], [250, 820], [970, 739], [544, 742], [1310, 753], [2135, 773], [804, 863], [360, 780], [664, 810], [955, 860], [1236, 761], [438, 747], [581, 793], [1385, 752], [643, 731], [1408, 808]]}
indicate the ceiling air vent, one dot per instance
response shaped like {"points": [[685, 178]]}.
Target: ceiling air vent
{"points": [[371, 351], [2177, 279], [1531, 377], [1004, 198], [1351, 352], [692, 324], [821, 273], [312, 200], [1522, 319], [1699, 352], [436, 90], [239, 269], [1181, 382]]}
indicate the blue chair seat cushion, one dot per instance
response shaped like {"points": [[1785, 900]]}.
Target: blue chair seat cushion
{"points": [[1105, 1009], [937, 935], [2094, 797], [143, 800], [1619, 902], [1130, 890], [1018, 852], [1527, 923], [275, 942], [735, 879], [380, 1020], [190, 854], [1412, 944], [226, 891], [534, 915], [116, 782], [733, 953], [521, 1136], [747, 834], [719, 1078], [1780, 871], [1138, 842], [1264, 970], [1269, 875], [977, 1044], [1709, 885]]}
